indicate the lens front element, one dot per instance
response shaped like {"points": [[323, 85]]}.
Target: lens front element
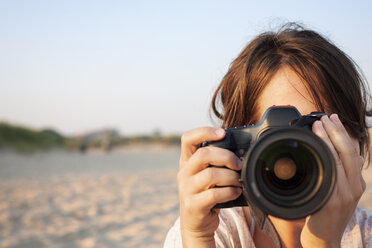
{"points": [[288, 172], [284, 168]]}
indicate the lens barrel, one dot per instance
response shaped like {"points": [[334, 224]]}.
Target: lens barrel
{"points": [[288, 172]]}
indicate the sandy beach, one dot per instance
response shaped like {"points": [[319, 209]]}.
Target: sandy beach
{"points": [[111, 209]]}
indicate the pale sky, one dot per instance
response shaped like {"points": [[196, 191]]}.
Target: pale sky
{"points": [[136, 66]]}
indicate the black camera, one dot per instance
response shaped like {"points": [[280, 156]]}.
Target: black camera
{"points": [[288, 171]]}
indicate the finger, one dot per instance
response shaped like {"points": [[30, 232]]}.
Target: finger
{"points": [[344, 146], [209, 155], [354, 143], [190, 140], [213, 176], [209, 198], [362, 183], [361, 162], [319, 130]]}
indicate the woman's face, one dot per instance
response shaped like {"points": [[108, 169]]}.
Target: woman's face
{"points": [[285, 88]]}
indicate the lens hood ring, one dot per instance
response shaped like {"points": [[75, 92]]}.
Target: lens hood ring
{"points": [[255, 192]]}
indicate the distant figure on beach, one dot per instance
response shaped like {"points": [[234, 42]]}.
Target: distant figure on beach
{"points": [[295, 67]]}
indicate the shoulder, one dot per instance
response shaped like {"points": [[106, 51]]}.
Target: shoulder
{"points": [[173, 238], [358, 232], [232, 231]]}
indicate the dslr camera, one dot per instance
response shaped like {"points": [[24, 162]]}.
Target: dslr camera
{"points": [[288, 171]]}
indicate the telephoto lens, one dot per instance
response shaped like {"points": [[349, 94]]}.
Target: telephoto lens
{"points": [[288, 172]]}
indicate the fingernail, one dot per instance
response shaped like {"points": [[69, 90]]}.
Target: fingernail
{"points": [[361, 159], [335, 117], [318, 127], [238, 190], [219, 132], [324, 118], [318, 124], [240, 164]]}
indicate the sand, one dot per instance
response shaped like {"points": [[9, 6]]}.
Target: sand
{"points": [[111, 210], [121, 210]]}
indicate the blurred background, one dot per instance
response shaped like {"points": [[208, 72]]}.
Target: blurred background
{"points": [[94, 96]]}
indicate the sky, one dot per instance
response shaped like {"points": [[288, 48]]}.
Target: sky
{"points": [[140, 66]]}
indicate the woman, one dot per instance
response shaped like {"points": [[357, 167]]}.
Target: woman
{"points": [[294, 67]]}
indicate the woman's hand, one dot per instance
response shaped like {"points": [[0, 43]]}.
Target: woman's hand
{"points": [[326, 227], [197, 181]]}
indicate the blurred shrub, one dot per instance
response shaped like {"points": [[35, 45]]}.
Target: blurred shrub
{"points": [[26, 140], [22, 139]]}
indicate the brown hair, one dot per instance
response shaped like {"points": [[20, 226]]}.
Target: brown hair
{"points": [[334, 81]]}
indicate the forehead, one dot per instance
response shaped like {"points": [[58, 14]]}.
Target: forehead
{"points": [[286, 88]]}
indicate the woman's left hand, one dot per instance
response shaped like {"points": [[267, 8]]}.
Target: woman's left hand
{"points": [[326, 227]]}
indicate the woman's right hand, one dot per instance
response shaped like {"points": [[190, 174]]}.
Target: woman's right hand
{"points": [[197, 181]]}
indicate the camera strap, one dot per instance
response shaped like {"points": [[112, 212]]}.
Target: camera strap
{"points": [[265, 225]]}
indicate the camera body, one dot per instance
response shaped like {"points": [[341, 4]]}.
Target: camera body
{"points": [[288, 171]]}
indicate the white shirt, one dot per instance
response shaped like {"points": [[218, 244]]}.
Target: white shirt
{"points": [[234, 232]]}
